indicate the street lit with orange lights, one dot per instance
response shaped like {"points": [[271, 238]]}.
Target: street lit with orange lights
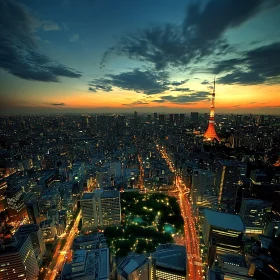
{"points": [[61, 253], [194, 269], [141, 180]]}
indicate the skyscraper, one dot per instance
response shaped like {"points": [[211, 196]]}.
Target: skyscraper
{"points": [[88, 206], [170, 262], [155, 117], [137, 267], [33, 211], [194, 117], [210, 133], [161, 119], [226, 229], [182, 118], [3, 188], [17, 259], [100, 208], [202, 183], [36, 237], [252, 213], [227, 182]]}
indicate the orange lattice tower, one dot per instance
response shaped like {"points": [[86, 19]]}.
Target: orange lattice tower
{"points": [[210, 133]]}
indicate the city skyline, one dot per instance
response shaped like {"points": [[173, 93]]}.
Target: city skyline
{"points": [[146, 56]]}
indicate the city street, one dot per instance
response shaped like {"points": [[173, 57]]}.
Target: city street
{"points": [[61, 259], [194, 264]]}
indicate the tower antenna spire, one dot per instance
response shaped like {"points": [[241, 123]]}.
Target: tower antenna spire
{"points": [[210, 134]]}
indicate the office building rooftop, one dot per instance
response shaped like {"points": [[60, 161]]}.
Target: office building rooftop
{"points": [[87, 196], [171, 256], [224, 220]]}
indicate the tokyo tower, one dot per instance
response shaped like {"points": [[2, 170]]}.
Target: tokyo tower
{"points": [[210, 133]]}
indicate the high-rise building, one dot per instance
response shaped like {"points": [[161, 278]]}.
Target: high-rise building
{"points": [[272, 225], [37, 240], [170, 262], [182, 118], [135, 118], [212, 252], [49, 229], [101, 208], [3, 202], [210, 133], [111, 208], [17, 259], [227, 182], [231, 267], [88, 264], [103, 179], [137, 267], [171, 118], [252, 213], [33, 211], [88, 207], [155, 117], [202, 185], [194, 117], [114, 170], [226, 229], [161, 119], [15, 202], [94, 240]]}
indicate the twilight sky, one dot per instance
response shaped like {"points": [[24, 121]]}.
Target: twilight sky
{"points": [[144, 55]]}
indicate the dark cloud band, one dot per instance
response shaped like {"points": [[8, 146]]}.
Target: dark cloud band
{"points": [[19, 52]]}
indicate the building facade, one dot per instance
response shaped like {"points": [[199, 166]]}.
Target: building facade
{"points": [[36, 237], [252, 213], [100, 209], [226, 229], [137, 267], [227, 183], [18, 260]]}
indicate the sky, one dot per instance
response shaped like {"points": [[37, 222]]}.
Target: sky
{"points": [[120, 56]]}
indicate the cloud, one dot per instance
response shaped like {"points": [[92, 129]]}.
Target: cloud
{"points": [[139, 102], [92, 89], [57, 104], [49, 25], [260, 65], [243, 78], [187, 98], [181, 89], [199, 36], [74, 38], [226, 65], [147, 82], [159, 101], [103, 86], [209, 23], [19, 50], [179, 83], [205, 82]]}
